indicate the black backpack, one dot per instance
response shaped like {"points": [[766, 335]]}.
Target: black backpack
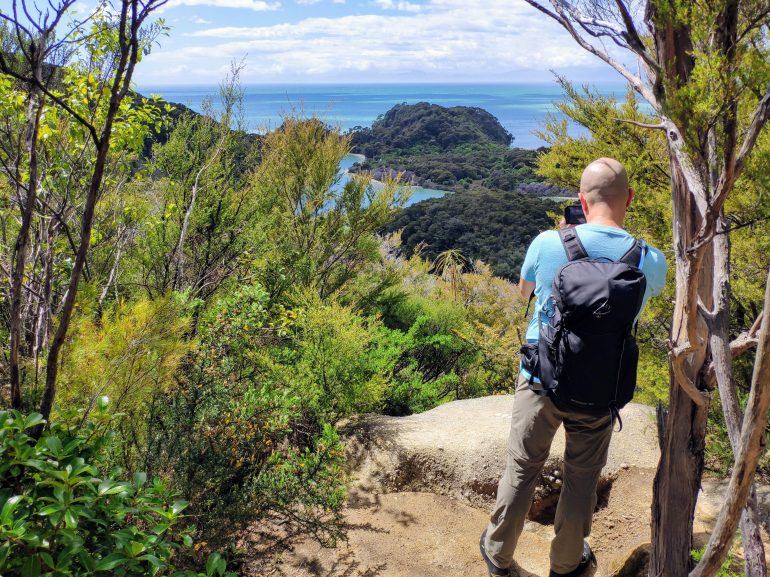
{"points": [[587, 352]]}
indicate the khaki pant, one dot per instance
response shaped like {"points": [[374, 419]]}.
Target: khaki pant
{"points": [[534, 423]]}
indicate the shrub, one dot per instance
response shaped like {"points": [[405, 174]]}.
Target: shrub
{"points": [[129, 354], [236, 436], [60, 515]]}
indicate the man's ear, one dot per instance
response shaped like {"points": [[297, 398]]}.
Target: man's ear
{"points": [[631, 194], [583, 203]]}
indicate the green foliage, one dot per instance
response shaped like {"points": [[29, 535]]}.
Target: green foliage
{"points": [[196, 221], [60, 514], [242, 444], [130, 354], [455, 335], [495, 227], [719, 455], [320, 234], [730, 568], [336, 365]]}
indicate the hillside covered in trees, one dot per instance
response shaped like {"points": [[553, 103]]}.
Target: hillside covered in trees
{"points": [[493, 226]]}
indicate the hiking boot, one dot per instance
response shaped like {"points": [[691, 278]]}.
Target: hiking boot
{"points": [[585, 563], [494, 570]]}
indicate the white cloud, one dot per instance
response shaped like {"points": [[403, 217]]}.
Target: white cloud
{"points": [[398, 5], [494, 40], [256, 5], [307, 2], [199, 20]]}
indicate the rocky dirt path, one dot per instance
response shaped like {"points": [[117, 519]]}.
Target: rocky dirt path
{"points": [[424, 484]]}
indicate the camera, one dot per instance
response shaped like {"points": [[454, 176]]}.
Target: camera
{"points": [[573, 214]]}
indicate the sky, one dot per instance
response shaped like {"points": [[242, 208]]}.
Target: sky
{"points": [[363, 41]]}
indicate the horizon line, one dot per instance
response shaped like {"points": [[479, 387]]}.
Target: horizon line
{"points": [[375, 83]]}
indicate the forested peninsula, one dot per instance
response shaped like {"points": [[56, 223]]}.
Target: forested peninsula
{"points": [[457, 148]]}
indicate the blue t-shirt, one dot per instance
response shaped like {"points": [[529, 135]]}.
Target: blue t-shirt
{"points": [[546, 255]]}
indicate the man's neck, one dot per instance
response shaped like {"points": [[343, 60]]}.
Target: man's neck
{"points": [[605, 220]]}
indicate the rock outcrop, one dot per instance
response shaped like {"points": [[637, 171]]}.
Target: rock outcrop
{"points": [[459, 449], [422, 487]]}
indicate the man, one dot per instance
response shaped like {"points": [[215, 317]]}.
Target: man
{"points": [[605, 196]]}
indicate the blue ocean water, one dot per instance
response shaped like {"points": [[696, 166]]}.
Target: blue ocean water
{"points": [[520, 108]]}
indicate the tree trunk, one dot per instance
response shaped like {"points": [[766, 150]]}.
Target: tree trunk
{"points": [[754, 551], [22, 240], [678, 477], [43, 315], [128, 36]]}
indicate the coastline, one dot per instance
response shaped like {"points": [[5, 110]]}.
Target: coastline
{"points": [[418, 193]]}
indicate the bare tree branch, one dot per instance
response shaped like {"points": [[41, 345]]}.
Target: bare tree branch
{"points": [[561, 16], [659, 126]]}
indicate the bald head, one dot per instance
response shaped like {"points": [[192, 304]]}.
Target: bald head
{"points": [[605, 181]]}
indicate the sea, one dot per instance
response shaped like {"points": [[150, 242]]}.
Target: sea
{"points": [[521, 108]]}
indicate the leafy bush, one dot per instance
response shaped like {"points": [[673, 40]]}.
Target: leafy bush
{"points": [[130, 353], [454, 334], [238, 441], [60, 515]]}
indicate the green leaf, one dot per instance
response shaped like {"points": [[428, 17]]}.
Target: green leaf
{"points": [[110, 562], [8, 508], [70, 518], [47, 559], [31, 567], [32, 420], [211, 564], [49, 510], [103, 487], [153, 560], [54, 445], [134, 548], [178, 506], [87, 560], [140, 479], [35, 464]]}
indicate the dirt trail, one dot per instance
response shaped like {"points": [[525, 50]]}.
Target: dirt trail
{"points": [[422, 497]]}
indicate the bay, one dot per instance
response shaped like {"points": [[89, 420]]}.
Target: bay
{"points": [[417, 193]]}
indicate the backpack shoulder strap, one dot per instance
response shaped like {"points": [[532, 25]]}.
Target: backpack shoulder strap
{"points": [[572, 245], [635, 255]]}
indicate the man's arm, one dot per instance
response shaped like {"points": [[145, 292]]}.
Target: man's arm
{"points": [[526, 287], [529, 269]]}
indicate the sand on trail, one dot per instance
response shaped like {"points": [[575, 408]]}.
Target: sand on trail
{"points": [[421, 497]]}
